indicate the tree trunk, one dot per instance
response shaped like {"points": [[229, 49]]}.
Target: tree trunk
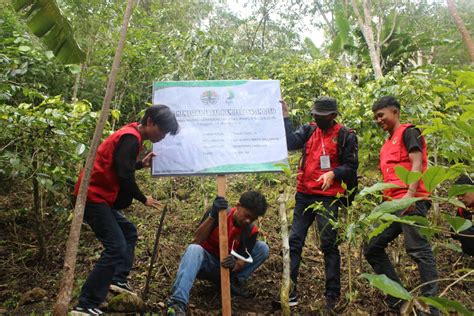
{"points": [[84, 64], [77, 82], [265, 17], [285, 279], [64, 295], [42, 251], [365, 25], [462, 28]]}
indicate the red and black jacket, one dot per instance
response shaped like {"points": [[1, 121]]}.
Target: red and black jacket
{"points": [[394, 153], [104, 185], [344, 158]]}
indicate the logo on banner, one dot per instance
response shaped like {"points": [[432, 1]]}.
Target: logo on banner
{"points": [[209, 97], [230, 97]]}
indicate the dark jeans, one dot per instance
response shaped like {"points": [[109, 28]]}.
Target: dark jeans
{"points": [[118, 236], [302, 220], [417, 247]]}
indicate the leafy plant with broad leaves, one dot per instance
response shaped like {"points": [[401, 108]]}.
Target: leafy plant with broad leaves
{"points": [[390, 287], [381, 216], [42, 149]]}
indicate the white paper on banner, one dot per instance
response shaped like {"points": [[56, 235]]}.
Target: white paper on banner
{"points": [[225, 127]]}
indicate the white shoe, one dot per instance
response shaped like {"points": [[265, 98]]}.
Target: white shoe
{"points": [[79, 311]]}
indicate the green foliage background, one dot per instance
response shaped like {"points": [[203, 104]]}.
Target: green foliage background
{"points": [[48, 110]]}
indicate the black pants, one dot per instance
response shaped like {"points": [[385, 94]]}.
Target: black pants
{"points": [[302, 220], [417, 247], [118, 236]]}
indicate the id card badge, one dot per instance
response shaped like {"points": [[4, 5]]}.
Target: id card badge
{"points": [[325, 162]]}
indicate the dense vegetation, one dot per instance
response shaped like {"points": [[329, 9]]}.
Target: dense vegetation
{"points": [[48, 112]]}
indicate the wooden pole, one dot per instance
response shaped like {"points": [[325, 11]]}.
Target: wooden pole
{"points": [[223, 251], [285, 278]]}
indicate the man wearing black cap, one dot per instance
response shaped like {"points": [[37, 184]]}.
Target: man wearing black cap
{"points": [[329, 158]]}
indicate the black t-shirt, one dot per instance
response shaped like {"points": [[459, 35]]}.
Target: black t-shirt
{"points": [[412, 139], [125, 164]]}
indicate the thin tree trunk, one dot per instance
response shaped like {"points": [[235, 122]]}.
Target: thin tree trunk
{"points": [[42, 252], [316, 240], [64, 296], [462, 28], [75, 88], [285, 279], [77, 82], [366, 28], [265, 17], [329, 25]]}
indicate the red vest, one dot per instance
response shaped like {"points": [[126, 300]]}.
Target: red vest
{"points": [[104, 185], [234, 235], [310, 170], [394, 153]]}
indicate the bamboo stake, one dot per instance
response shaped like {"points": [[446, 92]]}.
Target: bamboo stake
{"points": [[223, 251], [285, 281], [155, 252]]}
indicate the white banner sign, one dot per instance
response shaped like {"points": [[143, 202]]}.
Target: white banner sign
{"points": [[225, 127]]}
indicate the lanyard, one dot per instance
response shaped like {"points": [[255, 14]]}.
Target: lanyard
{"points": [[322, 141]]}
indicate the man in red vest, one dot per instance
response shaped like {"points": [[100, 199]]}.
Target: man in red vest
{"points": [[201, 258], [324, 165], [112, 187], [406, 147]]}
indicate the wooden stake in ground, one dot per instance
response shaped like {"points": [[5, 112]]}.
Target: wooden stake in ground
{"points": [[285, 278], [223, 251], [155, 253], [64, 296]]}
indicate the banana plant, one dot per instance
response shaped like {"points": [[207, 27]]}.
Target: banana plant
{"points": [[46, 21]]}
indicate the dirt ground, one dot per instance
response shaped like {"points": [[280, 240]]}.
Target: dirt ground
{"points": [[21, 270]]}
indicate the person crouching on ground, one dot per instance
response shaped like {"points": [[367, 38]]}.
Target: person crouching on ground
{"points": [[201, 258]]}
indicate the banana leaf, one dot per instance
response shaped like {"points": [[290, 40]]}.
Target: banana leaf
{"points": [[46, 21]]}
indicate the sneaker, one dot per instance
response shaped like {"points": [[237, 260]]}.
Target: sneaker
{"points": [[81, 311], [239, 288], [292, 301], [176, 308], [122, 287]]}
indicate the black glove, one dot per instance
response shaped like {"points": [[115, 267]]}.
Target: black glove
{"points": [[229, 262], [219, 204]]}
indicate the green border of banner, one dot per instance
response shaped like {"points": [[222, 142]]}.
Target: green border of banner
{"points": [[232, 169], [204, 83]]}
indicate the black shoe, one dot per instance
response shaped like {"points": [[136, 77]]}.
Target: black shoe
{"points": [[292, 301], [331, 302], [81, 311], [176, 308], [122, 287], [239, 288]]}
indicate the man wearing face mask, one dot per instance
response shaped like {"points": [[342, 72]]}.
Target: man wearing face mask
{"points": [[324, 165]]}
